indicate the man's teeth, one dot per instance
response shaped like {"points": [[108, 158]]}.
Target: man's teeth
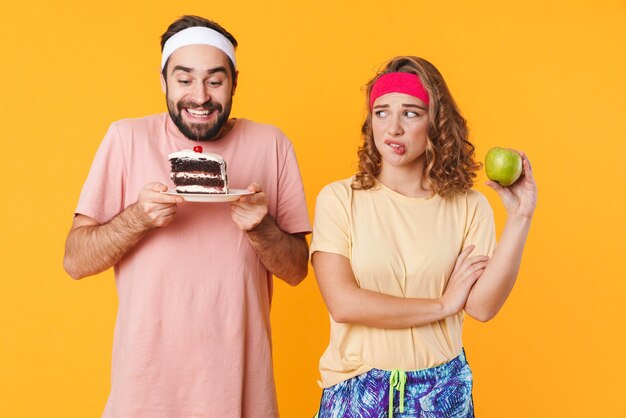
{"points": [[194, 112]]}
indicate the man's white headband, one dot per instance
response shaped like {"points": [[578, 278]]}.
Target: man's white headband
{"points": [[198, 35]]}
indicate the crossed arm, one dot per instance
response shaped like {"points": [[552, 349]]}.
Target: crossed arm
{"points": [[478, 285], [348, 303]]}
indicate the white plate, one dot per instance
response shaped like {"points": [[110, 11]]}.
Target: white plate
{"points": [[233, 194]]}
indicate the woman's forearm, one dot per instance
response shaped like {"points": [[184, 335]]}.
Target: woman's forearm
{"points": [[348, 303], [377, 310], [494, 286]]}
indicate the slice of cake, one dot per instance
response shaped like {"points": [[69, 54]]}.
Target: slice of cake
{"points": [[194, 171]]}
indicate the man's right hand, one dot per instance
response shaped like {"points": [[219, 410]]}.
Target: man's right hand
{"points": [[92, 247], [153, 209]]}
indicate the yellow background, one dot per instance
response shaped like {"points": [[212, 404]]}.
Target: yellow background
{"points": [[547, 77]]}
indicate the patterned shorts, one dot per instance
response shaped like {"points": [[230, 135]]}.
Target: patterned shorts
{"points": [[444, 391]]}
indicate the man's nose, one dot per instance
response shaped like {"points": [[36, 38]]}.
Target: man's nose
{"points": [[200, 94]]}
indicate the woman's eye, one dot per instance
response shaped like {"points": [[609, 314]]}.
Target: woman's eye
{"points": [[381, 114], [411, 114]]}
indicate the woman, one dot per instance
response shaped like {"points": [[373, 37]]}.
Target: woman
{"points": [[402, 249]]}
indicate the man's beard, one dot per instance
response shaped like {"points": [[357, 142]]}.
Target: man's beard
{"points": [[207, 131]]}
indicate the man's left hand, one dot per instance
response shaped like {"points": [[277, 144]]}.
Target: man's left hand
{"points": [[250, 210]]}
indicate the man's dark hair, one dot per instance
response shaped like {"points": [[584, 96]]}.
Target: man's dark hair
{"points": [[190, 21]]}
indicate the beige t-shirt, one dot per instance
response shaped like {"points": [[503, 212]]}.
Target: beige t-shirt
{"points": [[399, 246]]}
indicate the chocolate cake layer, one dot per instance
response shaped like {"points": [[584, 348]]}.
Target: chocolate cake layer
{"points": [[209, 166], [183, 180]]}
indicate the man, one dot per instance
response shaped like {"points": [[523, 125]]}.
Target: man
{"points": [[194, 280]]}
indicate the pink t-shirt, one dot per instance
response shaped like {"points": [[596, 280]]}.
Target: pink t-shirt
{"points": [[192, 337]]}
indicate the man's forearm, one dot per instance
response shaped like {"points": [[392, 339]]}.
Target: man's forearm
{"points": [[285, 256], [93, 248]]}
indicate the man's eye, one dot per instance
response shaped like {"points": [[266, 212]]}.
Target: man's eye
{"points": [[184, 82], [215, 83]]}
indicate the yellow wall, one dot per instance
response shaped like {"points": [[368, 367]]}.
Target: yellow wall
{"points": [[547, 77]]}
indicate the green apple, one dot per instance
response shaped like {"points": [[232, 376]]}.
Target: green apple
{"points": [[503, 165]]}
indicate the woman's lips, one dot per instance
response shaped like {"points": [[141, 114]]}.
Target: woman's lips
{"points": [[397, 147]]}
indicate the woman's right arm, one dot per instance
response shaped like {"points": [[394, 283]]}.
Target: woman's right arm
{"points": [[348, 303]]}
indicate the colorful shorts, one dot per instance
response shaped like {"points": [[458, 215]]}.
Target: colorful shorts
{"points": [[444, 391]]}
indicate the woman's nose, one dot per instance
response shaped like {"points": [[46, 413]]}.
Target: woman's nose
{"points": [[395, 127]]}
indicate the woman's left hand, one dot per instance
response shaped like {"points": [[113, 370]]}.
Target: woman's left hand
{"points": [[520, 198]]}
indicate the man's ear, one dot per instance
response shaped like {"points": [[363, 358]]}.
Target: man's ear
{"points": [[163, 83], [235, 78]]}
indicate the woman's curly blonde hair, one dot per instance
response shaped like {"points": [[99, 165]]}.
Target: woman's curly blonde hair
{"points": [[450, 165]]}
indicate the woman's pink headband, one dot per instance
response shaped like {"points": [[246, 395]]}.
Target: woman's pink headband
{"points": [[406, 83]]}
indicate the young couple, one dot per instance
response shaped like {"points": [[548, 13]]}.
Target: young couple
{"points": [[400, 251]]}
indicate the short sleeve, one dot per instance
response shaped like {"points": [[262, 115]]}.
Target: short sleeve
{"points": [[480, 229], [102, 196], [292, 215], [331, 229]]}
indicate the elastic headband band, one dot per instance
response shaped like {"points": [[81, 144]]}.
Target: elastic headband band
{"points": [[198, 35], [406, 83]]}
